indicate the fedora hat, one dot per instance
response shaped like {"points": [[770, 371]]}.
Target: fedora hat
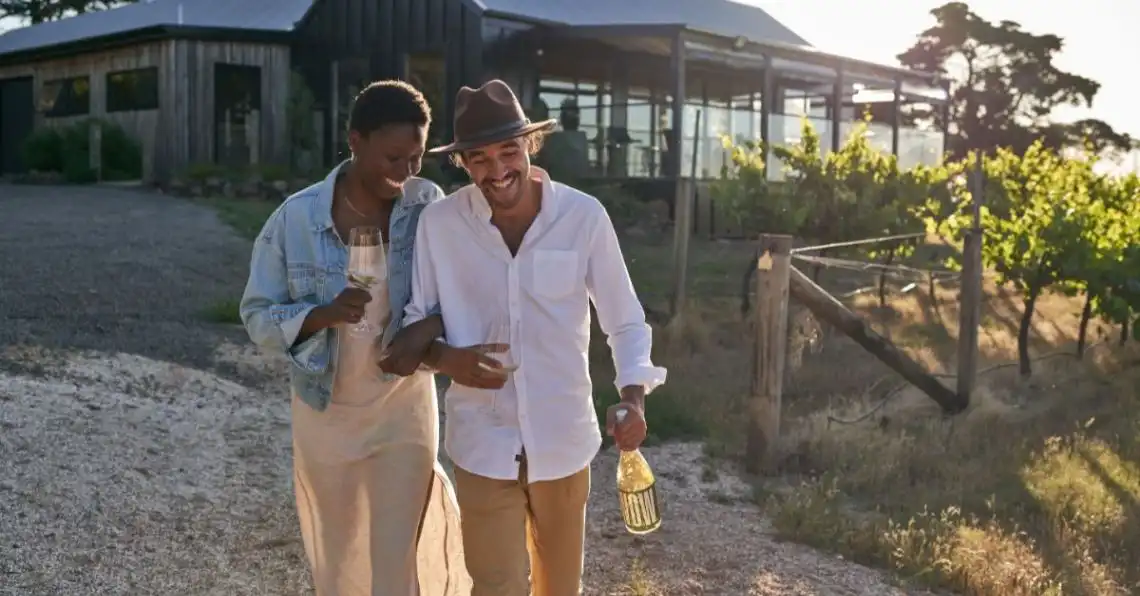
{"points": [[488, 115]]}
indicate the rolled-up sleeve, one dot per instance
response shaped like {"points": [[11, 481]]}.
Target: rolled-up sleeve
{"points": [[272, 320], [620, 313]]}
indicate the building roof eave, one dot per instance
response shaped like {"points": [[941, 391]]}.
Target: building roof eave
{"points": [[142, 35]]}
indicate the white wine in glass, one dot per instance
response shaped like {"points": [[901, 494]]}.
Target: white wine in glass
{"points": [[366, 264], [361, 280]]}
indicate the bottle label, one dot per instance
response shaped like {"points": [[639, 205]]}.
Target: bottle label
{"points": [[640, 510]]}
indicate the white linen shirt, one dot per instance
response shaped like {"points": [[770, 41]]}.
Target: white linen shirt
{"points": [[569, 256]]}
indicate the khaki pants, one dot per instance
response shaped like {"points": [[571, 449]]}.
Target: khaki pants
{"points": [[505, 520]]}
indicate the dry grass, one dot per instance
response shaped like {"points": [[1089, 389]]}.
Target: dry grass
{"points": [[1034, 490]]}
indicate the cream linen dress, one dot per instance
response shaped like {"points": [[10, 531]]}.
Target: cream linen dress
{"points": [[366, 476]]}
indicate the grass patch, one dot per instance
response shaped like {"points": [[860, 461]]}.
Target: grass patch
{"points": [[690, 403], [223, 312], [716, 269], [246, 217]]}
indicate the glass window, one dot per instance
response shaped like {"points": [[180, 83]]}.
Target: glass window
{"points": [[743, 126], [639, 115], [552, 98], [639, 124], [719, 124], [132, 90], [66, 97], [592, 106]]}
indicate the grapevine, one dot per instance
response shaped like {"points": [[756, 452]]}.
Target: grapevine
{"points": [[1050, 222]]}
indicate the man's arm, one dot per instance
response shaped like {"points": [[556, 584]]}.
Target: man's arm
{"points": [[621, 315]]}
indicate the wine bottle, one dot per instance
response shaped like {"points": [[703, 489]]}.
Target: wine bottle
{"points": [[637, 490]]}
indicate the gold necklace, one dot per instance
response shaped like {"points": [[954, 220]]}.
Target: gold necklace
{"points": [[348, 201]]}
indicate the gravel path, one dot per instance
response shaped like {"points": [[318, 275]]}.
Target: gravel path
{"points": [[114, 270], [144, 452]]}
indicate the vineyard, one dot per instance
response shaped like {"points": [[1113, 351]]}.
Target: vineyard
{"points": [[1033, 489], [1050, 222]]}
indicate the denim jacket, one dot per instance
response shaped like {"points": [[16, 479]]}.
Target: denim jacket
{"points": [[299, 263]]}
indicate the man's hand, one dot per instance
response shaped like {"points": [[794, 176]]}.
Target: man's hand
{"points": [[410, 346], [471, 366], [630, 434]]}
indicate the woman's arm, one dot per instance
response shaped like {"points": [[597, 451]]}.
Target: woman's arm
{"points": [[274, 322]]}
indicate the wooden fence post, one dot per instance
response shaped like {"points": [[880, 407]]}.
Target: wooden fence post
{"points": [[771, 320], [970, 294], [683, 228]]}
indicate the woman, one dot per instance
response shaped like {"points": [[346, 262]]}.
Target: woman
{"points": [[377, 514]]}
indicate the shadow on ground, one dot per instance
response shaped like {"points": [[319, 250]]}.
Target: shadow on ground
{"points": [[114, 270]]}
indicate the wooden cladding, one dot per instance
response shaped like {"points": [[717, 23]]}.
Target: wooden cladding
{"points": [[165, 91]]}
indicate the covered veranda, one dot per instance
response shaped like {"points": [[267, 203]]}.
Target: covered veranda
{"points": [[630, 97]]}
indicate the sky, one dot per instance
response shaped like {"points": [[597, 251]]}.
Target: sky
{"points": [[1102, 37]]}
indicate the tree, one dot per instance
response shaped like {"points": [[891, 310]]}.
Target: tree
{"points": [[38, 11], [1005, 86]]}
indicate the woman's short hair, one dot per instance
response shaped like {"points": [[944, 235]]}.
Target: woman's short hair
{"points": [[387, 103]]}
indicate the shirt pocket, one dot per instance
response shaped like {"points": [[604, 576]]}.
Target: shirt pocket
{"points": [[306, 282], [555, 273]]}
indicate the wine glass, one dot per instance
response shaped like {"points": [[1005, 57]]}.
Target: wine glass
{"points": [[500, 333], [366, 267]]}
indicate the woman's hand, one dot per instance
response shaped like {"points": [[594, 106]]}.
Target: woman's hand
{"points": [[347, 307]]}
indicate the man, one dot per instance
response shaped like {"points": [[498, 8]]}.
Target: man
{"points": [[518, 251]]}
